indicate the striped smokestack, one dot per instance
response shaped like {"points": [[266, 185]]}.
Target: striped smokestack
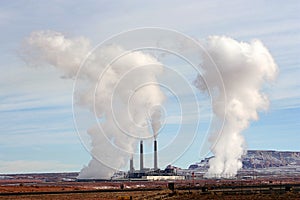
{"points": [[141, 156], [155, 155], [131, 168]]}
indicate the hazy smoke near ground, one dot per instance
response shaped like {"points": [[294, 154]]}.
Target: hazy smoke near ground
{"points": [[244, 67], [123, 94]]}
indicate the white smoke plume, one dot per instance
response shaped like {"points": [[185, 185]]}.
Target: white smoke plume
{"points": [[244, 67], [156, 115], [124, 95]]}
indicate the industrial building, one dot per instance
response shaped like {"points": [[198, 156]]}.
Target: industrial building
{"points": [[151, 173]]}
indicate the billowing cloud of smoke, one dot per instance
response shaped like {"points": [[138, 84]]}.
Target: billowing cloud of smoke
{"points": [[49, 47], [244, 67], [123, 93]]}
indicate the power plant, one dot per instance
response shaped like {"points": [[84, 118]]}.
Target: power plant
{"points": [[151, 173]]}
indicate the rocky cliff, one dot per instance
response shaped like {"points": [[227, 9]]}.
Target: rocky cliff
{"points": [[259, 159]]}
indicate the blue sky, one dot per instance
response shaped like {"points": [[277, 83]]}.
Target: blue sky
{"points": [[36, 125]]}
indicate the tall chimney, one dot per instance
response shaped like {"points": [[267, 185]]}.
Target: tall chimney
{"points": [[131, 168], [141, 156], [155, 155]]}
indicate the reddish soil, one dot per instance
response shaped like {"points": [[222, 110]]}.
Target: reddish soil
{"points": [[181, 190]]}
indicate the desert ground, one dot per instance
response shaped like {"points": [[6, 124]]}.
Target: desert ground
{"points": [[188, 189]]}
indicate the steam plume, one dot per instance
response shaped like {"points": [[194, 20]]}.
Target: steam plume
{"points": [[124, 94], [244, 67], [155, 121]]}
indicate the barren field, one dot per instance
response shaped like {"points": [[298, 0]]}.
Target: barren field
{"points": [[164, 194], [203, 189]]}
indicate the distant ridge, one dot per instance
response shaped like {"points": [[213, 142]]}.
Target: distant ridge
{"points": [[263, 159], [260, 159]]}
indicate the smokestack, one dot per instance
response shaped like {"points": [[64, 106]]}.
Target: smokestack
{"points": [[141, 156], [131, 168], [155, 155]]}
